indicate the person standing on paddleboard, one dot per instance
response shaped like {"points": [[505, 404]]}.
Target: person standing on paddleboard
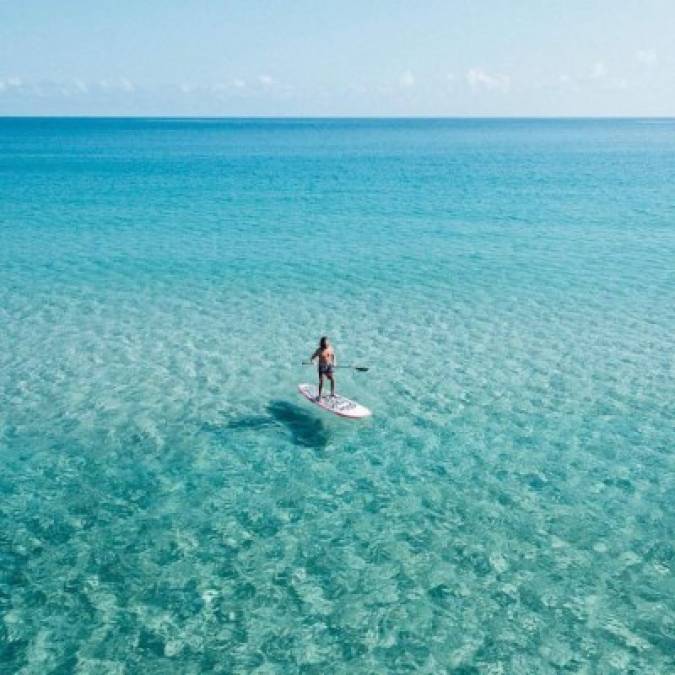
{"points": [[326, 356]]}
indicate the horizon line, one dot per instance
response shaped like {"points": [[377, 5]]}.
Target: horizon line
{"points": [[347, 117]]}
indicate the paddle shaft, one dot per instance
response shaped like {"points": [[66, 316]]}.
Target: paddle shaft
{"points": [[359, 368]]}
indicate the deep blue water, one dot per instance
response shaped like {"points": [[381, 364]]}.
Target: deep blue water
{"points": [[168, 503]]}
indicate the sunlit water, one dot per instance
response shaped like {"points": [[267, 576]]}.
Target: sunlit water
{"points": [[170, 504]]}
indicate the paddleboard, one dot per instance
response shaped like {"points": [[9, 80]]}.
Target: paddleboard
{"points": [[338, 405]]}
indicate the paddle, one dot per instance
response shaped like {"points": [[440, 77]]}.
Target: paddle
{"points": [[361, 369]]}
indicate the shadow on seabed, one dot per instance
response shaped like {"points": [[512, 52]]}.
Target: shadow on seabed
{"points": [[305, 429]]}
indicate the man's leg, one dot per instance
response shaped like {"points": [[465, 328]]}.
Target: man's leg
{"points": [[320, 383], [332, 384]]}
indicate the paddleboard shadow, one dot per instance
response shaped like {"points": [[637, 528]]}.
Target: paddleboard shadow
{"points": [[305, 429]]}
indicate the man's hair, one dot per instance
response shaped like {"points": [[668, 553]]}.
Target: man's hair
{"points": [[323, 342]]}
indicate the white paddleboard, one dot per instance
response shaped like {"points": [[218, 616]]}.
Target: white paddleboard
{"points": [[338, 405]]}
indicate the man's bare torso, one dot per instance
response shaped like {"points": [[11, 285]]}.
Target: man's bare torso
{"points": [[325, 356]]}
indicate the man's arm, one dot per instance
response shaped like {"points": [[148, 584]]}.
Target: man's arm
{"points": [[314, 355]]}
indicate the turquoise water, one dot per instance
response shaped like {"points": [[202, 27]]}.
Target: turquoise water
{"points": [[169, 504]]}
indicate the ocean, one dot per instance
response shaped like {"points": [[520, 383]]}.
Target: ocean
{"points": [[170, 504]]}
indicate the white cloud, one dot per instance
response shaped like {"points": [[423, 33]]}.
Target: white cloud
{"points": [[406, 80], [564, 83], [265, 80], [11, 83], [618, 83], [600, 74], [647, 57], [480, 79], [126, 85], [358, 89], [120, 84], [235, 86], [598, 71], [80, 86], [186, 87]]}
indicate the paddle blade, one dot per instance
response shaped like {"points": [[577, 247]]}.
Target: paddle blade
{"points": [[361, 369]]}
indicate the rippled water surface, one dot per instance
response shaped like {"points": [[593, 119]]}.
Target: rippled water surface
{"points": [[169, 504]]}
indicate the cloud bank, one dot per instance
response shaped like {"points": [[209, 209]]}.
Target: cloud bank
{"points": [[480, 80]]}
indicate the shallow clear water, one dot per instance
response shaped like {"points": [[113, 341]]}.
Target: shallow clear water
{"points": [[168, 503]]}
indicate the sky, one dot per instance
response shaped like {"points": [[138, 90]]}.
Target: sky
{"points": [[365, 57]]}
